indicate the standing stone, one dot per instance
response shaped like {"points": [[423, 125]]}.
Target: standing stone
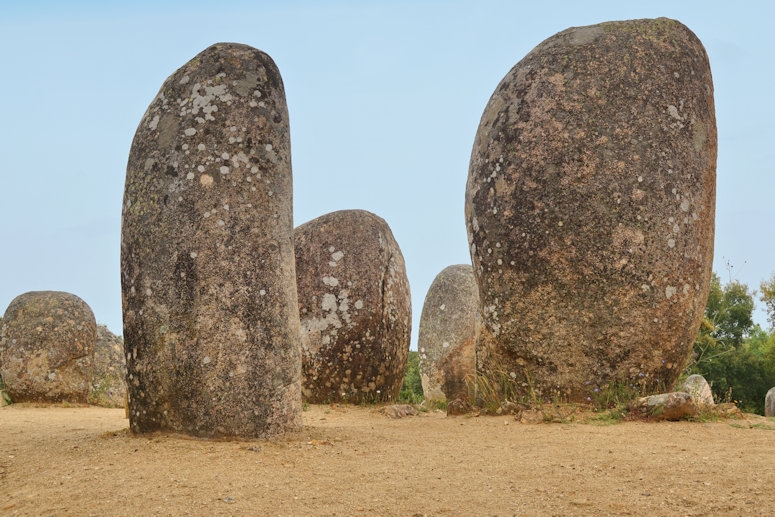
{"points": [[355, 308], [769, 403], [211, 326], [448, 334], [109, 379], [590, 210], [47, 348]]}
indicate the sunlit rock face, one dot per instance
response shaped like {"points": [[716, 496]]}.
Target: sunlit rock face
{"points": [[211, 325], [590, 210], [448, 334], [355, 308], [47, 342]]}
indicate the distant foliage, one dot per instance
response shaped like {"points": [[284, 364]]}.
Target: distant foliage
{"points": [[411, 389], [734, 355]]}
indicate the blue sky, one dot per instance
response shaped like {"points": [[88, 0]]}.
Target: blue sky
{"points": [[384, 101]]}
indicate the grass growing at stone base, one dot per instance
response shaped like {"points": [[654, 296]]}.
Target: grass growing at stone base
{"points": [[411, 389], [503, 392]]}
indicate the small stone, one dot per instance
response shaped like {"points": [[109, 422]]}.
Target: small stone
{"points": [[458, 407], [665, 406], [531, 416], [398, 411], [699, 389]]}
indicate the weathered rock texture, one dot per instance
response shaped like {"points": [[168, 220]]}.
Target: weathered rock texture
{"points": [[355, 308], [590, 209], [699, 389], [665, 406], [211, 326], [769, 403], [109, 379], [47, 347], [448, 334]]}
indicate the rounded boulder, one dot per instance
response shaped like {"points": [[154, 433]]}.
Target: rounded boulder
{"points": [[699, 389], [355, 308], [47, 346], [446, 343], [590, 210]]}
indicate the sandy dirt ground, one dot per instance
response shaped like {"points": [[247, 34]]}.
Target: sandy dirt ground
{"points": [[355, 461]]}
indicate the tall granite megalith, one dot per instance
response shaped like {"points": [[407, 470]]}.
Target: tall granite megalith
{"points": [[446, 343], [355, 308], [590, 209], [47, 343], [211, 323]]}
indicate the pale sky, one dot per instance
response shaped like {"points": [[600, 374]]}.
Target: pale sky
{"points": [[384, 100]]}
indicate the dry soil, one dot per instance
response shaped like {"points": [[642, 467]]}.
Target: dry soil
{"points": [[356, 461]]}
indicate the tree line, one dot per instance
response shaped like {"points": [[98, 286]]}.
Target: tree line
{"points": [[734, 354]]}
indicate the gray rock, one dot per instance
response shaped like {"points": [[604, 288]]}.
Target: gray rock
{"points": [[699, 389], [211, 326], [665, 406], [590, 209], [47, 348], [448, 334], [355, 308], [398, 411], [769, 403], [109, 379]]}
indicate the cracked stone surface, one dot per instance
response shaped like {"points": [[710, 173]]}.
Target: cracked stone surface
{"points": [[211, 326], [47, 342], [446, 344], [355, 308], [590, 209]]}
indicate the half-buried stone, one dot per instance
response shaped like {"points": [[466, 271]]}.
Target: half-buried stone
{"points": [[448, 333], [590, 210], [211, 325], [47, 347], [355, 308]]}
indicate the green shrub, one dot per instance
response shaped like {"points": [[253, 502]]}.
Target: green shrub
{"points": [[411, 389]]}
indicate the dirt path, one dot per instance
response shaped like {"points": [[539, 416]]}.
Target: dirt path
{"points": [[355, 461]]}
